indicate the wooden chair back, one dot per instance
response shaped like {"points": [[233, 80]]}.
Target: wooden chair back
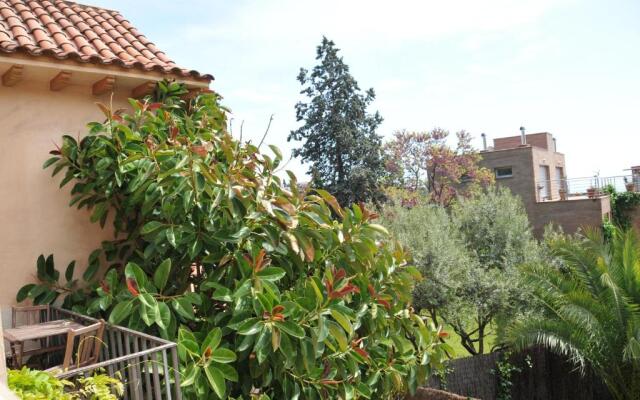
{"points": [[29, 315], [83, 346]]}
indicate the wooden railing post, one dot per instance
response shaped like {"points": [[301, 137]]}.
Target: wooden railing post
{"points": [[5, 393], [3, 365]]}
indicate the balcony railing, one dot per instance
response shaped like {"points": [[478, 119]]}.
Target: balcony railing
{"points": [[147, 365], [590, 187]]}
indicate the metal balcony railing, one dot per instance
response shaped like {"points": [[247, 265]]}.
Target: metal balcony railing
{"points": [[147, 365], [590, 187]]}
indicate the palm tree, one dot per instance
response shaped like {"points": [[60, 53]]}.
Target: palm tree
{"points": [[591, 308]]}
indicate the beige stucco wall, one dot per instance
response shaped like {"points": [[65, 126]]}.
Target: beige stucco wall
{"points": [[34, 212]]}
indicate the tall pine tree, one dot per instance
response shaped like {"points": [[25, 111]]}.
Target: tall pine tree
{"points": [[339, 136]]}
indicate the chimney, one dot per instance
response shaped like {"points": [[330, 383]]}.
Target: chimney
{"points": [[523, 138], [484, 142], [555, 145]]}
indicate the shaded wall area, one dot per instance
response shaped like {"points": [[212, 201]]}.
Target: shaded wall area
{"points": [[570, 214], [35, 213], [549, 377]]}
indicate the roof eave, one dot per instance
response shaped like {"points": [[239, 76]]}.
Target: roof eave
{"points": [[68, 64]]}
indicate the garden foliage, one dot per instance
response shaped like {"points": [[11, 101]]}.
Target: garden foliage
{"points": [[30, 384], [269, 291], [592, 307], [471, 255]]}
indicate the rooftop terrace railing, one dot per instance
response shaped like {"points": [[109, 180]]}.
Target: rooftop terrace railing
{"points": [[147, 365], [588, 187]]}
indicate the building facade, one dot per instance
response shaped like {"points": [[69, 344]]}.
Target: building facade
{"points": [[57, 59], [532, 168]]}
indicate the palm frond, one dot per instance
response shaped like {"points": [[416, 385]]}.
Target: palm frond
{"points": [[592, 308]]}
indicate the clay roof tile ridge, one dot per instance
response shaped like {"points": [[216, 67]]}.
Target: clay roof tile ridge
{"points": [[68, 30]]}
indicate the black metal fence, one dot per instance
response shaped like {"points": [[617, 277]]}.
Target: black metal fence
{"points": [[540, 375]]}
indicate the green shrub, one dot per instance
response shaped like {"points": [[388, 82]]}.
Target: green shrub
{"points": [[306, 299], [591, 308], [39, 385], [622, 204], [471, 255]]}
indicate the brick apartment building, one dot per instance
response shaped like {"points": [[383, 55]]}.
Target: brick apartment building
{"points": [[531, 166]]}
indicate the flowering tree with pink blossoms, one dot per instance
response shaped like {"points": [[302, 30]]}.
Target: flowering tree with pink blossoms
{"points": [[425, 162]]}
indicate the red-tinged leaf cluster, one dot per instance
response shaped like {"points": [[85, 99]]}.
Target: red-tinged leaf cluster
{"points": [[257, 279], [275, 314], [105, 286], [379, 298], [367, 215], [338, 285], [132, 286]]}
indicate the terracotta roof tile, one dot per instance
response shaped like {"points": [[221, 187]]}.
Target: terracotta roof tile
{"points": [[66, 30]]}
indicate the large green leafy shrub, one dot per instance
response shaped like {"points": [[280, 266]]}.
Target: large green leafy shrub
{"points": [[592, 307], [247, 274], [30, 384]]}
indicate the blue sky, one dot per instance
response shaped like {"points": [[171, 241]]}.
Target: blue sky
{"points": [[569, 67]]}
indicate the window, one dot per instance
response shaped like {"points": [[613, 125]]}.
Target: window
{"points": [[504, 172]]}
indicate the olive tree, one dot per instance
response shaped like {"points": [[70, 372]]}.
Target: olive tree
{"points": [[470, 256]]}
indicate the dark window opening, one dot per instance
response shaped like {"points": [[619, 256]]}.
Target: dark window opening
{"points": [[504, 172]]}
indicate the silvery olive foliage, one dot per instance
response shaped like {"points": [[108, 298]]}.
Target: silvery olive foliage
{"points": [[470, 255]]}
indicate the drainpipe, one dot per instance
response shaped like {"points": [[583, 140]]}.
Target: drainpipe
{"points": [[484, 142], [555, 145], [523, 138]]}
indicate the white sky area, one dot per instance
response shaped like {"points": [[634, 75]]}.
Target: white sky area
{"points": [[569, 67]]}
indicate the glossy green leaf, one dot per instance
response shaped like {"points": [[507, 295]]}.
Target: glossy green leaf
{"points": [[272, 274], [216, 380], [291, 329], [164, 314], [121, 311], [212, 340], [151, 227], [184, 308], [68, 274], [250, 327], [228, 372], [342, 320], [23, 293], [338, 334], [161, 275], [223, 356], [133, 271]]}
